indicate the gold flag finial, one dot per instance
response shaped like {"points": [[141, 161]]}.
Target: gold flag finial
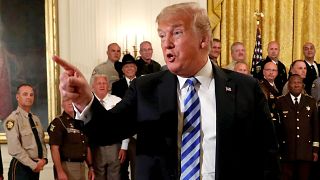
{"points": [[259, 16]]}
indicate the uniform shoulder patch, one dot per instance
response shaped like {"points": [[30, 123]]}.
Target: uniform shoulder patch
{"points": [[10, 124], [52, 127]]}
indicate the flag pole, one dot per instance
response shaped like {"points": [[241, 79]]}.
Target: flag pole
{"points": [[257, 53]]}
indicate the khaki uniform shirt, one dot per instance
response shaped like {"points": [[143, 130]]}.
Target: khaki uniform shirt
{"points": [[21, 141], [107, 68]]}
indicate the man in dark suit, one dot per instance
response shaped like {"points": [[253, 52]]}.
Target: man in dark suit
{"points": [[273, 56], [298, 131], [119, 88], [313, 67], [237, 135]]}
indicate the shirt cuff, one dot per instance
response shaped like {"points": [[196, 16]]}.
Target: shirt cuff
{"points": [[124, 144], [85, 115]]}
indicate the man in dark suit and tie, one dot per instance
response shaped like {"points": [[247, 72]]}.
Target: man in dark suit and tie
{"points": [[313, 67], [236, 136]]}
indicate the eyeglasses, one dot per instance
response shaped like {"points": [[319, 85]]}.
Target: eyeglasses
{"points": [[272, 70]]}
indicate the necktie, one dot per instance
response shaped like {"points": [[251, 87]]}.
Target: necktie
{"points": [[190, 144], [36, 136], [296, 103]]}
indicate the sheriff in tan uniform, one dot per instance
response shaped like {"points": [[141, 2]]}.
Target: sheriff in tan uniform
{"points": [[28, 151]]}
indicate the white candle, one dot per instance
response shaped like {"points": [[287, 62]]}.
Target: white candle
{"points": [[135, 40], [126, 42]]}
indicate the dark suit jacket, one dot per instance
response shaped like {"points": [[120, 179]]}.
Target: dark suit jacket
{"points": [[294, 148], [310, 77], [119, 87], [245, 146]]}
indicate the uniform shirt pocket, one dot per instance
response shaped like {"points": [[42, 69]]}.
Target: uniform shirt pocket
{"points": [[27, 138]]}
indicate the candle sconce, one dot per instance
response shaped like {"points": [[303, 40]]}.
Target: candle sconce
{"points": [[135, 52]]}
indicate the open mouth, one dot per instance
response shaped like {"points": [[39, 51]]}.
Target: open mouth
{"points": [[170, 57]]}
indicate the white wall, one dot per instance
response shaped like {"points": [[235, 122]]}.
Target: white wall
{"points": [[87, 27]]}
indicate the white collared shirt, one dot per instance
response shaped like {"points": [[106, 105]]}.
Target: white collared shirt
{"points": [[109, 101], [128, 80], [206, 92], [293, 98]]}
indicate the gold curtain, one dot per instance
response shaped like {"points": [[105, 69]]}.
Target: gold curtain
{"points": [[290, 22]]}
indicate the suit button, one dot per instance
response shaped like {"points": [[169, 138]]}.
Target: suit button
{"points": [[297, 112], [298, 127], [298, 136], [298, 119]]}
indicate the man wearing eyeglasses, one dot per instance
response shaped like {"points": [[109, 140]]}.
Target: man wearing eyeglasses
{"points": [[268, 86], [145, 64]]}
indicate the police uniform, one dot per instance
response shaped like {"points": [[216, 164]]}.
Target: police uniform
{"points": [[22, 145], [271, 94], [281, 78], [67, 133], [298, 132]]}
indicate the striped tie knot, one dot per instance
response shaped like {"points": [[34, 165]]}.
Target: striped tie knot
{"points": [[191, 139]]}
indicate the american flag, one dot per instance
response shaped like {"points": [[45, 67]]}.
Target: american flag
{"points": [[257, 53]]}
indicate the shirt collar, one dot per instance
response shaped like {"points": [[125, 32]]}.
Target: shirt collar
{"points": [[128, 80], [204, 76], [293, 97], [23, 112], [310, 63]]}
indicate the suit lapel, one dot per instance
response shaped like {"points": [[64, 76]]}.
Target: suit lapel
{"points": [[225, 110]]}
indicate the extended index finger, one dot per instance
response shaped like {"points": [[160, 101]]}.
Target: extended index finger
{"points": [[66, 66]]}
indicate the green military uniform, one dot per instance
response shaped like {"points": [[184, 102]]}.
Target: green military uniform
{"points": [[22, 145], [67, 133]]}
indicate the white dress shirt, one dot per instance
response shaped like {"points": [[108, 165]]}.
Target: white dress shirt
{"points": [[109, 101], [206, 92]]}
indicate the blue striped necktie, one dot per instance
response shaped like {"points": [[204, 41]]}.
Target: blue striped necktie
{"points": [[190, 145]]}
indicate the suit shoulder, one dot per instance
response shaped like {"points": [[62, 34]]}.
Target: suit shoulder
{"points": [[240, 78]]}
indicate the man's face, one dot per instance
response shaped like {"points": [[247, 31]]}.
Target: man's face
{"points": [[67, 106], [273, 51], [270, 71], [215, 50], [295, 85], [241, 68], [238, 53], [129, 70], [114, 52], [100, 87], [181, 45], [25, 97], [309, 51], [300, 69], [146, 52]]}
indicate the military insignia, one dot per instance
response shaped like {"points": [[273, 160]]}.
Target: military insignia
{"points": [[271, 96], [52, 127], [258, 69], [308, 108], [10, 124], [228, 89]]}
